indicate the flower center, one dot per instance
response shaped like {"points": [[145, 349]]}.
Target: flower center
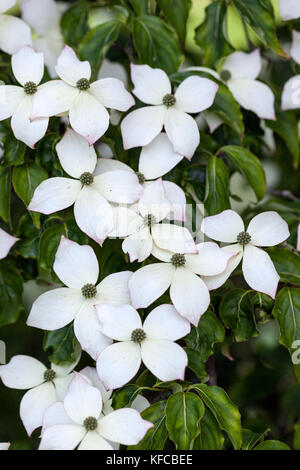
{"points": [[83, 84], [225, 75], [30, 88], [149, 220], [243, 238], [89, 291], [169, 100], [90, 423], [86, 178], [138, 335], [178, 260], [49, 375], [141, 177]]}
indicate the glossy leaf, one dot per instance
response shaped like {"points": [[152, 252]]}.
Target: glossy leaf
{"points": [[156, 437], [237, 313], [217, 181]]}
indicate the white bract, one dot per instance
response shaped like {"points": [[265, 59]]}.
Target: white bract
{"points": [[141, 228], [14, 33], [289, 9], [265, 229], [153, 87], [180, 272], [291, 90], [240, 71], [151, 343], [16, 101], [77, 267], [46, 386], [6, 242], [88, 192], [44, 17], [298, 238], [79, 422], [85, 102], [4, 445]]}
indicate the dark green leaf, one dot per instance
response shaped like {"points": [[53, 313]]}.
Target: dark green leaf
{"points": [[14, 151], [176, 13], [210, 437], [217, 181], [11, 288], [272, 445], [124, 397], [156, 437], [286, 126], [287, 264], [74, 23], [250, 438], [60, 345], [5, 193]]}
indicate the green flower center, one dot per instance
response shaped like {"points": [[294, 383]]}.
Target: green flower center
{"points": [[30, 88], [243, 238], [141, 177], [86, 178], [178, 260], [138, 335], [49, 375], [90, 423], [89, 291], [225, 75], [169, 100], [149, 220], [83, 84]]}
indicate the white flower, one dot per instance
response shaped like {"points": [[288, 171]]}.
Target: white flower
{"points": [[77, 267], [4, 445], [151, 343], [289, 9], [46, 386], [291, 90], [85, 102], [14, 33], [298, 238], [44, 16], [265, 229], [88, 192], [153, 87], [6, 242], [141, 228], [188, 292], [16, 101], [239, 72], [78, 422]]}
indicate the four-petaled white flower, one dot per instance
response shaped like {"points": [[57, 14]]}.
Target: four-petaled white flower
{"points": [[6, 242], [77, 267], [168, 110], [151, 343], [79, 422], [265, 229], [141, 227], [85, 102], [180, 272], [240, 71], [289, 9], [16, 101], [88, 192], [46, 386], [14, 33]]}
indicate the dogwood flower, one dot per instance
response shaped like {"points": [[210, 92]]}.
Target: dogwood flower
{"points": [[151, 343], [180, 272], [298, 238], [289, 9], [79, 422], [14, 33], [16, 101], [88, 192], [84, 101], [142, 229], [44, 17], [168, 110], [240, 71], [6, 242], [77, 267], [4, 445], [45, 386], [265, 229]]}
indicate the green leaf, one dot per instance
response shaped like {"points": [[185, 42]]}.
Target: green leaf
{"points": [[237, 313], [11, 288], [156, 437], [286, 126], [5, 194], [250, 166], [29, 236], [287, 264], [224, 411], [124, 397], [217, 182], [210, 437], [272, 445], [176, 13], [26, 178], [60, 345], [184, 412], [250, 438], [14, 151], [95, 44], [209, 35], [74, 23], [140, 6], [296, 440], [156, 43]]}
